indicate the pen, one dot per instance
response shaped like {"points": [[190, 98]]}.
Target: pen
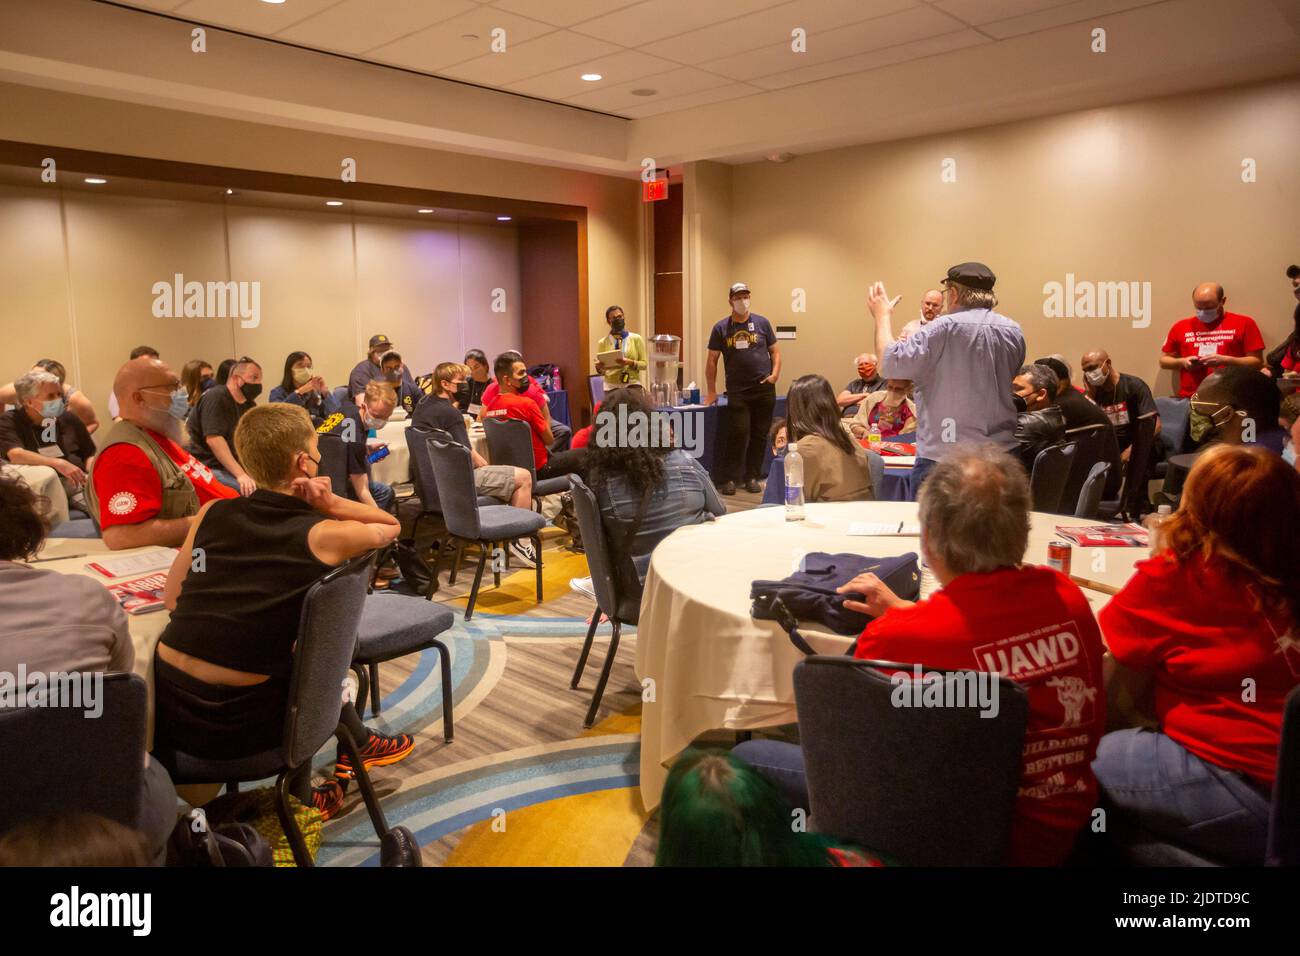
{"points": [[64, 557]]}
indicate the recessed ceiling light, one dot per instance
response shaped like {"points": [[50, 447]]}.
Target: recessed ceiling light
{"points": [[503, 218], [425, 211], [95, 181], [592, 77], [644, 92], [230, 192], [277, 2], [334, 202]]}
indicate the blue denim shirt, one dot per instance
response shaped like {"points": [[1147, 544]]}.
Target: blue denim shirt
{"points": [[687, 496], [962, 365]]}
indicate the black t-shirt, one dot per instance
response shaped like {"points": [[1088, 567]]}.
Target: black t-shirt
{"points": [[744, 347], [435, 412], [474, 396], [1124, 405], [215, 416], [354, 439], [1081, 413], [70, 435]]}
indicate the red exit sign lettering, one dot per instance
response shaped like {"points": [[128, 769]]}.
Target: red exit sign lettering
{"points": [[654, 190]]}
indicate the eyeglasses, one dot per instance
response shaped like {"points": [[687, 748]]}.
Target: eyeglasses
{"points": [[170, 386]]}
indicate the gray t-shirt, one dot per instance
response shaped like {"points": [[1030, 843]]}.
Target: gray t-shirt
{"points": [[962, 365], [60, 622]]}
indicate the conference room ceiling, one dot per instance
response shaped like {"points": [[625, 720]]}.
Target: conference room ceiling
{"points": [[654, 56]]}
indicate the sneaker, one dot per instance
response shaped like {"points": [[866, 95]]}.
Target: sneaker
{"points": [[583, 586], [524, 552], [328, 799], [727, 488], [379, 751], [753, 487]]}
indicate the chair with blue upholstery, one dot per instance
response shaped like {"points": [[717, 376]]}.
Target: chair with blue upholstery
{"points": [[490, 527], [510, 442], [1049, 476], [392, 626]]}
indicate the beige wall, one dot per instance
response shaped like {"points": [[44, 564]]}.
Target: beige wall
{"points": [[1147, 192], [615, 242], [707, 216], [326, 284]]}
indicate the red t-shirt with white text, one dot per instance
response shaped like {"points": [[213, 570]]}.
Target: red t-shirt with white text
{"points": [[1034, 626], [1194, 626], [524, 409], [1234, 334], [534, 391], [130, 490]]}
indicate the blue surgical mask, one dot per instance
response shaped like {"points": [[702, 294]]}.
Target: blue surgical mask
{"points": [[1207, 315], [180, 406], [53, 408], [1288, 455]]}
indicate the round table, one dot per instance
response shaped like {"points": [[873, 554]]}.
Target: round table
{"points": [[70, 556], [714, 667], [395, 467]]}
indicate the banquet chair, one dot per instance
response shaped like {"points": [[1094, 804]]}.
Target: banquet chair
{"points": [[341, 395], [1093, 441], [97, 768], [1174, 415], [1135, 497], [327, 640], [334, 463], [510, 442], [487, 526], [1090, 493], [611, 602], [1048, 478], [393, 626], [884, 777], [426, 488], [774, 490]]}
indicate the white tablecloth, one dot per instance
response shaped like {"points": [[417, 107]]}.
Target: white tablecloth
{"points": [[395, 469], [73, 554], [714, 667]]}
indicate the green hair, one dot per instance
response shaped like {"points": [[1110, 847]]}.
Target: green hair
{"points": [[717, 810]]}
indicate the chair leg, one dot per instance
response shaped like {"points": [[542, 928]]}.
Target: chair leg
{"points": [[363, 779], [478, 579], [586, 649], [604, 676], [537, 550], [444, 663], [433, 571], [374, 689], [363, 687], [496, 574], [297, 843], [455, 568]]}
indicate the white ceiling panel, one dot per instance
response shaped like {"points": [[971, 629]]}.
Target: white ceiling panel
{"points": [[444, 44], [976, 12], [353, 26], [620, 67], [655, 19], [654, 106], [676, 82], [562, 13], [1060, 15], [252, 16], [546, 54], [874, 60]]}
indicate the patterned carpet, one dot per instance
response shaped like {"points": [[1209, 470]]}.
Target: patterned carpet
{"points": [[522, 783]]}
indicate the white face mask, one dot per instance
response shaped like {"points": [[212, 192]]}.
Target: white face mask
{"points": [[741, 306], [1096, 378]]}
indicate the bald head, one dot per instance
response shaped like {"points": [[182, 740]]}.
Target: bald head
{"points": [[143, 387], [931, 304], [1208, 295], [1098, 370]]}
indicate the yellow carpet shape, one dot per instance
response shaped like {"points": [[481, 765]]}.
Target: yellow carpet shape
{"points": [[518, 591]]}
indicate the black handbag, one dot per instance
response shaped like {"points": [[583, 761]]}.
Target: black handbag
{"points": [[417, 576], [196, 843]]}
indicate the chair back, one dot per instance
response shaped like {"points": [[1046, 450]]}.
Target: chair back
{"points": [[322, 657], [596, 384], [341, 395], [1283, 845], [1135, 495], [1091, 442], [876, 465], [1174, 414], [1089, 502], [599, 559], [453, 471], [1051, 472], [928, 786], [422, 470], [334, 463], [59, 759], [774, 490], [510, 442]]}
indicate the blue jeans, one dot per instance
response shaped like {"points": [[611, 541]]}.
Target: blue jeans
{"points": [[1151, 781], [226, 478], [919, 471], [781, 764], [383, 495]]}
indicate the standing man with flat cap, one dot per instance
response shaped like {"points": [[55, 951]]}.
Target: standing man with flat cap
{"points": [[962, 364], [746, 344], [372, 367]]}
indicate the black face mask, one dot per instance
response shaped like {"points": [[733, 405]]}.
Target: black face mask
{"points": [[1019, 402], [462, 390], [521, 383], [251, 390], [617, 325], [207, 383]]}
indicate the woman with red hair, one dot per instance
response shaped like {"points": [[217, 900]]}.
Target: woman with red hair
{"points": [[1213, 621]]}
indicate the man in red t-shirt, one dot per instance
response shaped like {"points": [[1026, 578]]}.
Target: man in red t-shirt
{"points": [[511, 402], [136, 503], [1030, 624], [561, 434], [1210, 339]]}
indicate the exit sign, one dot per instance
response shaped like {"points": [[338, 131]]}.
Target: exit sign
{"points": [[654, 190]]}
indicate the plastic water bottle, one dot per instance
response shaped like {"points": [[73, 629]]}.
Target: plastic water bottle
{"points": [[1152, 523], [793, 483], [873, 438]]}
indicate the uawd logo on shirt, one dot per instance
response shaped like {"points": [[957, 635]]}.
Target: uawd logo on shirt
{"points": [[1051, 650]]}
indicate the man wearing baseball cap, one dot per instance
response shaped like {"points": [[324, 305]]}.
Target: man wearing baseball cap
{"points": [[746, 344], [962, 364], [371, 367]]}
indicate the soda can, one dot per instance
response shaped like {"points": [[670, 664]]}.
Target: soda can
{"points": [[1058, 556]]}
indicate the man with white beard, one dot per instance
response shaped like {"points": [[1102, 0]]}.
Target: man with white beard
{"points": [[144, 487]]}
